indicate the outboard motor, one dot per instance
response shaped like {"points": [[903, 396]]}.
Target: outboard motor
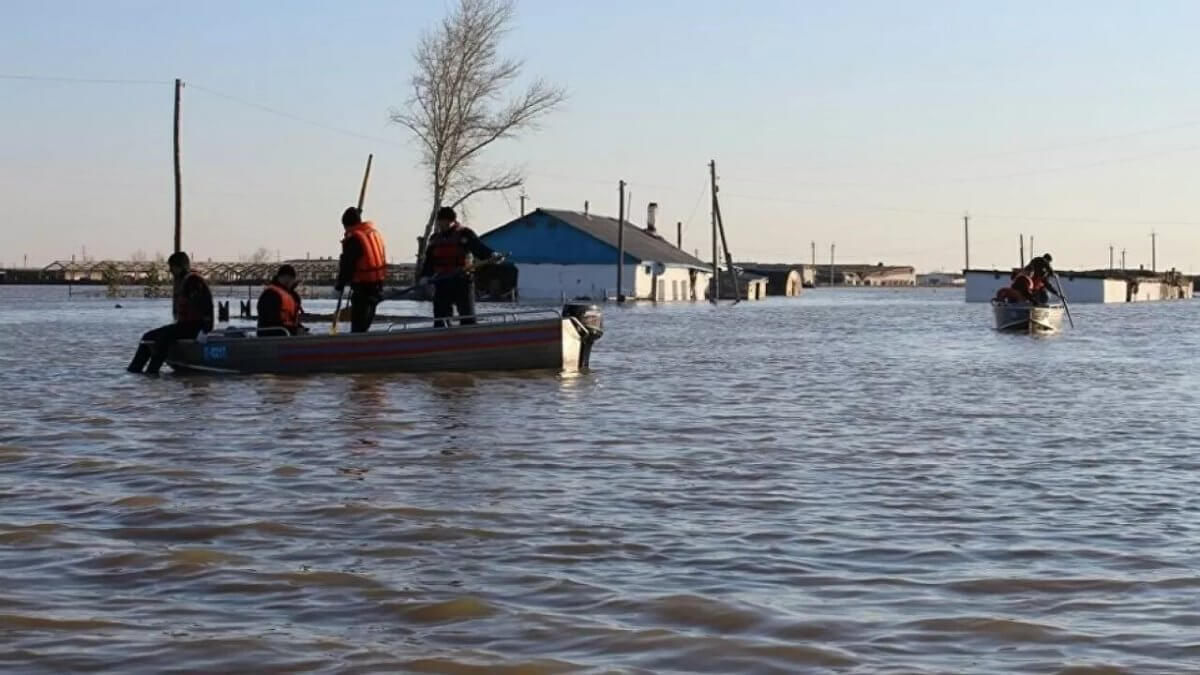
{"points": [[592, 320]]}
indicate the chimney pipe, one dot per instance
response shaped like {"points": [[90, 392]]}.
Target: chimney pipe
{"points": [[651, 211], [585, 208], [679, 235]]}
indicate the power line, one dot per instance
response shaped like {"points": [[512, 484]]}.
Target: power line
{"points": [[81, 80], [958, 213], [290, 116]]}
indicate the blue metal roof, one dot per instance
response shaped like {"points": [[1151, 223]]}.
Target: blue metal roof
{"points": [[574, 238]]}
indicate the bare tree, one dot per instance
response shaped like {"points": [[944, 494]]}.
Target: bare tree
{"points": [[459, 104], [262, 255], [138, 256]]}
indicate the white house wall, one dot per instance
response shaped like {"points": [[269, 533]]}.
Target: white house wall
{"points": [[554, 281], [982, 287]]}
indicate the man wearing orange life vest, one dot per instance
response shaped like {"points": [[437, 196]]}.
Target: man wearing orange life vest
{"points": [[363, 267], [446, 267], [279, 305], [192, 309], [1031, 283]]}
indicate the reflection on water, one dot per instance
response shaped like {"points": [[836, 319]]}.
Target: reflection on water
{"points": [[868, 481]]}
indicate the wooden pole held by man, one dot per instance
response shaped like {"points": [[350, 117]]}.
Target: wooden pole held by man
{"points": [[178, 177]]}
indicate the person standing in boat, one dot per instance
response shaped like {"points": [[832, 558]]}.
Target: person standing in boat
{"points": [[447, 267], [1032, 283], [363, 267], [193, 311], [279, 304]]}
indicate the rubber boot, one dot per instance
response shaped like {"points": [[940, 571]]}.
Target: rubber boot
{"points": [[140, 357]]}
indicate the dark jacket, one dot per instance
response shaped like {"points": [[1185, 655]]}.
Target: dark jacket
{"points": [[351, 252], [466, 238], [193, 292]]}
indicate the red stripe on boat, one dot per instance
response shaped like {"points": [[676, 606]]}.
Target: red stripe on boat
{"points": [[437, 344]]}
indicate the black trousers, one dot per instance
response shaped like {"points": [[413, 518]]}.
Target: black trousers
{"points": [[162, 337], [451, 294], [363, 299]]}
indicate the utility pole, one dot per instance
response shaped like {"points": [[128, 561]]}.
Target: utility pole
{"points": [[966, 241], [522, 203], [1023, 251], [1110, 256], [1153, 251], [814, 262], [178, 177], [1123, 268], [621, 243], [832, 278], [679, 235], [716, 270]]}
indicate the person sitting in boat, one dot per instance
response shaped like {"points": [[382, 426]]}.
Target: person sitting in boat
{"points": [[363, 266], [193, 312], [279, 304], [446, 267]]}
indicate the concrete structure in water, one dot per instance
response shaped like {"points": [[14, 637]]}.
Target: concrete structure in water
{"points": [[1099, 286], [751, 286], [866, 275], [573, 254], [941, 279], [785, 280]]}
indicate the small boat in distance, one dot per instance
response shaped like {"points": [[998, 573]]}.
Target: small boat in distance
{"points": [[1026, 318], [529, 340]]}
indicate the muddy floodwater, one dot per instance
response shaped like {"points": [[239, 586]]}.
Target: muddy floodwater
{"points": [[858, 481]]}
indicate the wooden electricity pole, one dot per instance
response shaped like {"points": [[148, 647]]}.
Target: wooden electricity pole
{"points": [[621, 242], [716, 271], [967, 242]]}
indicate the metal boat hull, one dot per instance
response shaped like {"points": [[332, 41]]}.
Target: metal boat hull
{"points": [[546, 344], [1024, 318]]}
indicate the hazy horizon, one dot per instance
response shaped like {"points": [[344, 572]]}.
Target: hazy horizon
{"points": [[871, 125]]}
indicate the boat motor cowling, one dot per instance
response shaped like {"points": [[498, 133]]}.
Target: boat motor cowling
{"points": [[589, 315], [591, 320]]}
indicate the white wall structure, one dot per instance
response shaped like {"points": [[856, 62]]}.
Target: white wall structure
{"points": [[983, 284], [598, 282]]}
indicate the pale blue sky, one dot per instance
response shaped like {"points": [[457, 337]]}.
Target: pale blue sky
{"points": [[872, 124]]}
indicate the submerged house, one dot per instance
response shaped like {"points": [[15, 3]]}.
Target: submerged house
{"points": [[866, 275], [1099, 286], [782, 279], [573, 254], [750, 286]]}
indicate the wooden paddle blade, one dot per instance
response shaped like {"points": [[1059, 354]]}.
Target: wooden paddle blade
{"points": [[344, 315]]}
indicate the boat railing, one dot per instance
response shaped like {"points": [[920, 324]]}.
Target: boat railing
{"points": [[490, 317]]}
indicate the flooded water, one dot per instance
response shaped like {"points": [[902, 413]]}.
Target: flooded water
{"points": [[854, 481]]}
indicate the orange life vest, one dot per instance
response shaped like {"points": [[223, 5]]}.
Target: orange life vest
{"points": [[446, 252], [289, 309], [372, 264], [184, 310]]}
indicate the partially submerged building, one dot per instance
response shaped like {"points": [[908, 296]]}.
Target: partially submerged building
{"points": [[1091, 286], [750, 286], [782, 279], [866, 275], [572, 254]]}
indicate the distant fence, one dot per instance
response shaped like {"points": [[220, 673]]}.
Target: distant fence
{"points": [[312, 272]]}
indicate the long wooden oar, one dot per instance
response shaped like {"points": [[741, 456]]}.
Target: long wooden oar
{"points": [[1063, 295], [362, 196]]}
